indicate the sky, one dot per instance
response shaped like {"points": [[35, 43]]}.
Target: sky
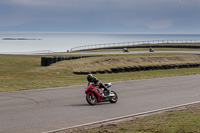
{"points": [[135, 16]]}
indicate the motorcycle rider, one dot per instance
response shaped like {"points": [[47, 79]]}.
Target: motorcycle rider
{"points": [[96, 82]]}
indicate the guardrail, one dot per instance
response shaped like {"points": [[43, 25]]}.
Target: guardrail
{"points": [[121, 44]]}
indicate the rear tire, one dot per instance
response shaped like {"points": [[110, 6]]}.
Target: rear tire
{"points": [[113, 99], [91, 99]]}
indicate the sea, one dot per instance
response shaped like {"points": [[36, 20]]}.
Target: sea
{"points": [[42, 42]]}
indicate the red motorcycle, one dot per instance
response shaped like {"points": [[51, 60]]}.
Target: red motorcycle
{"points": [[96, 94]]}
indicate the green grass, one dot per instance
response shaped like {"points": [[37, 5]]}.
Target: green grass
{"points": [[113, 61], [25, 72], [181, 121], [20, 72]]}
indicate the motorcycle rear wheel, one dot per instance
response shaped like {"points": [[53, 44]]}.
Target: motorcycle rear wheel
{"points": [[113, 99], [91, 99]]}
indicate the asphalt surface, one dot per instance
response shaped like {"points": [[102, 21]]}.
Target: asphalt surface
{"points": [[106, 52], [34, 111], [132, 52]]}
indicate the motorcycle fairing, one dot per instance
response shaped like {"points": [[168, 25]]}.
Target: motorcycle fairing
{"points": [[95, 90]]}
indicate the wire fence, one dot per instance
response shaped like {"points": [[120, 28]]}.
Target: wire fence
{"points": [[123, 44]]}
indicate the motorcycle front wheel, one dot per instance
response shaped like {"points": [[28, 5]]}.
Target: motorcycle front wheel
{"points": [[114, 98], [91, 99]]}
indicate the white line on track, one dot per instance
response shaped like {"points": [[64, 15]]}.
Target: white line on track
{"points": [[122, 117]]}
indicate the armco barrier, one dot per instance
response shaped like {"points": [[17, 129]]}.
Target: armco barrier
{"points": [[46, 61], [144, 68]]}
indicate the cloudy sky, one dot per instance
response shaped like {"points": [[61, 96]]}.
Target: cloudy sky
{"points": [[138, 16]]}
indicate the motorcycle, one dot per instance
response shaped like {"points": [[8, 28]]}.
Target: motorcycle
{"points": [[96, 94], [125, 50]]}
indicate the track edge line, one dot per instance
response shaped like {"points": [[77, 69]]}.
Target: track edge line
{"points": [[122, 117]]}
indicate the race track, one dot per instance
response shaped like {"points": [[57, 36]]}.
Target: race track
{"points": [[106, 52], [42, 110], [131, 52]]}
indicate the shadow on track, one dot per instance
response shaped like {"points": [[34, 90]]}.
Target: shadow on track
{"points": [[78, 105]]}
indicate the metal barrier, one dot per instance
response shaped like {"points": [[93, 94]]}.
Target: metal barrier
{"points": [[121, 44]]}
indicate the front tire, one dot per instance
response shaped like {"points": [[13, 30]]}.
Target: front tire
{"points": [[114, 99], [91, 99]]}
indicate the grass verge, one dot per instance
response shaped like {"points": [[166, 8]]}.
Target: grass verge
{"points": [[20, 72], [181, 120]]}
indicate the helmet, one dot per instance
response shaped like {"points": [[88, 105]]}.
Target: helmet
{"points": [[90, 77]]}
